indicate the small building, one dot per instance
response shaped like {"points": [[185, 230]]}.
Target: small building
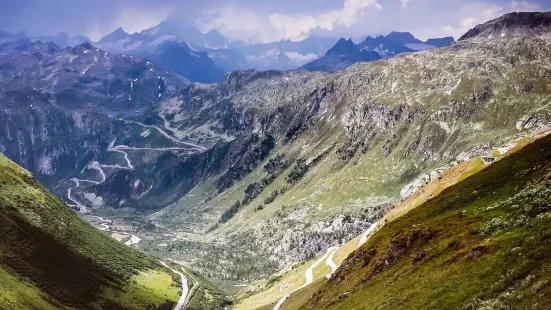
{"points": [[488, 159]]}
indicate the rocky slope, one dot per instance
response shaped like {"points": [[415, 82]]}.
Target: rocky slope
{"points": [[273, 167], [83, 77], [345, 144], [55, 103], [479, 244], [516, 24]]}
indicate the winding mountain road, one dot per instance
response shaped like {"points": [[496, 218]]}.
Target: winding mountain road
{"points": [[328, 257], [330, 263], [308, 274], [104, 225], [365, 235], [166, 134], [185, 290]]}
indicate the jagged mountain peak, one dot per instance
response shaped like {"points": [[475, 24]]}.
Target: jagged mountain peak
{"points": [[82, 48], [402, 37], [114, 36], [524, 24], [342, 46], [44, 47]]}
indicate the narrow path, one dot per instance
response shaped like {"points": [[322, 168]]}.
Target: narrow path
{"points": [[161, 149], [81, 207], [330, 263], [89, 181], [165, 134], [185, 290], [96, 166], [328, 257], [365, 235], [309, 275], [125, 157]]}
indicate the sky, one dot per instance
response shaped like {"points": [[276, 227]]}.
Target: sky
{"points": [[259, 20]]}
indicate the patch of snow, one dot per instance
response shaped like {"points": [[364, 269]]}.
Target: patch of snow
{"points": [[161, 39], [133, 46], [116, 46], [96, 201], [270, 55], [133, 240], [45, 165], [301, 59], [145, 133], [77, 118], [419, 46]]}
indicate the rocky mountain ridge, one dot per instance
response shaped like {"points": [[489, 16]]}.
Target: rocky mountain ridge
{"points": [[345, 52], [516, 24]]}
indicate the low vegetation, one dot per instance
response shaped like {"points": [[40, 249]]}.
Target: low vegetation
{"points": [[45, 245], [482, 243]]}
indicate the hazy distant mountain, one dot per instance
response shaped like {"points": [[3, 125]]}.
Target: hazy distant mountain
{"points": [[6, 37], [63, 39], [285, 54], [180, 58], [383, 46], [401, 42], [114, 37], [160, 45], [228, 59], [344, 54]]}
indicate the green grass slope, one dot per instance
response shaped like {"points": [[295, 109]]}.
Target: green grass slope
{"points": [[483, 243], [50, 258]]}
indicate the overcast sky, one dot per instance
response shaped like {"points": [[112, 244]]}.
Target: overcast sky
{"points": [[259, 20]]}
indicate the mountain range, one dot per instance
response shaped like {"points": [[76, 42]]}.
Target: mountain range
{"points": [[345, 53], [386, 174], [208, 57]]}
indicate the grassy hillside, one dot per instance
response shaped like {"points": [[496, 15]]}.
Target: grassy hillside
{"points": [[483, 243], [50, 258]]}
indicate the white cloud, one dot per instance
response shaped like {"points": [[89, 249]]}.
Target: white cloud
{"points": [[473, 14], [525, 6], [233, 22], [478, 13], [405, 2]]}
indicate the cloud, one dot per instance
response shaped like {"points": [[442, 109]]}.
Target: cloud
{"points": [[478, 13], [274, 26], [525, 6], [260, 20], [92, 18], [405, 2]]}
